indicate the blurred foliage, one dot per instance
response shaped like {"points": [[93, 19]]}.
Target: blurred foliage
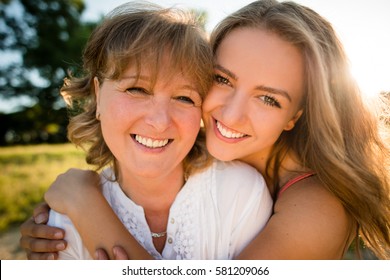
{"points": [[33, 125], [385, 108], [47, 37], [201, 17]]}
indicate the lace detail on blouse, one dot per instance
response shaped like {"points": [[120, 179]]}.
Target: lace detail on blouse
{"points": [[129, 220], [184, 244]]}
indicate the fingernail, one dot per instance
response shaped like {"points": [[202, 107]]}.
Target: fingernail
{"points": [[97, 255], [50, 257], [41, 218], [115, 251], [58, 235], [60, 246]]}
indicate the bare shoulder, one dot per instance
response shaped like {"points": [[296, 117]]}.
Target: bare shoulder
{"points": [[309, 194], [309, 222]]}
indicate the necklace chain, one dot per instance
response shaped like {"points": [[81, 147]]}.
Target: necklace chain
{"points": [[158, 234]]}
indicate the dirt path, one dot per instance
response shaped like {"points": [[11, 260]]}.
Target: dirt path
{"points": [[9, 245]]}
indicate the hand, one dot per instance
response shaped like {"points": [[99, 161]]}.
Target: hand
{"points": [[41, 242], [70, 189], [118, 252]]}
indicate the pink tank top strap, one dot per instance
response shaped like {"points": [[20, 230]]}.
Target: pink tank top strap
{"points": [[293, 181]]}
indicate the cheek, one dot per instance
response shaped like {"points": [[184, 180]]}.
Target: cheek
{"points": [[270, 124], [115, 118], [189, 124], [117, 108], [192, 122]]}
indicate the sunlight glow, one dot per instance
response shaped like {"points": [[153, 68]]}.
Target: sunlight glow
{"points": [[371, 80]]}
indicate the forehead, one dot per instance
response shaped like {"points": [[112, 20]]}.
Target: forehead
{"points": [[153, 64], [262, 58], [151, 75]]}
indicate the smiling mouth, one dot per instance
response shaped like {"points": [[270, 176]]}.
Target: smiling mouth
{"points": [[151, 143], [228, 133]]}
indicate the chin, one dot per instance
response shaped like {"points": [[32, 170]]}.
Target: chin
{"points": [[220, 155]]}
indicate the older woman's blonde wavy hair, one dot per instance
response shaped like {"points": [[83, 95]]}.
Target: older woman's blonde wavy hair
{"points": [[337, 136], [137, 34]]}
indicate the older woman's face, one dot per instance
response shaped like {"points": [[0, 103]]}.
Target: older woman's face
{"points": [[256, 95], [149, 130]]}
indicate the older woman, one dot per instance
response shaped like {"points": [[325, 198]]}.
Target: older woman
{"points": [[147, 70]]}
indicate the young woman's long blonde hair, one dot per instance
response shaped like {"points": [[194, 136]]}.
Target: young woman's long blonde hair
{"points": [[337, 136]]}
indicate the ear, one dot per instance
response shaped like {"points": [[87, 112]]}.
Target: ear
{"points": [[290, 125], [97, 92]]}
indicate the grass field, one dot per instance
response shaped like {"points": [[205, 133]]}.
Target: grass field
{"points": [[26, 173]]}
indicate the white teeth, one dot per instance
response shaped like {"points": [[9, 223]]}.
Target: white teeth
{"points": [[228, 133], [150, 143]]}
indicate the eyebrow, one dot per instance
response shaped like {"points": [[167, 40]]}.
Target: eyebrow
{"points": [[261, 87], [133, 77], [226, 71]]}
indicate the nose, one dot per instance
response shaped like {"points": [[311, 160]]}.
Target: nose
{"points": [[234, 109], [159, 114]]}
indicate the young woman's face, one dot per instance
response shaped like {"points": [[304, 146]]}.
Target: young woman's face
{"points": [[149, 130], [256, 95]]}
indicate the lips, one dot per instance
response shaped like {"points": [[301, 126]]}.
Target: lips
{"points": [[151, 143], [227, 132]]}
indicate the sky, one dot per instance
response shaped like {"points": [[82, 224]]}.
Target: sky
{"points": [[363, 27]]}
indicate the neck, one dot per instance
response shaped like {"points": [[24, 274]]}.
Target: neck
{"points": [[154, 194], [289, 164], [257, 161]]}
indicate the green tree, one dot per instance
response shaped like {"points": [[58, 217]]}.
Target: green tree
{"points": [[48, 37]]}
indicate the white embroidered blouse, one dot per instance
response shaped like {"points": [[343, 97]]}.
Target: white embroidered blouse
{"points": [[214, 216]]}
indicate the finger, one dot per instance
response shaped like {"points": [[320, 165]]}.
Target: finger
{"points": [[101, 254], [41, 213], [37, 245], [119, 253], [41, 256], [31, 229]]}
